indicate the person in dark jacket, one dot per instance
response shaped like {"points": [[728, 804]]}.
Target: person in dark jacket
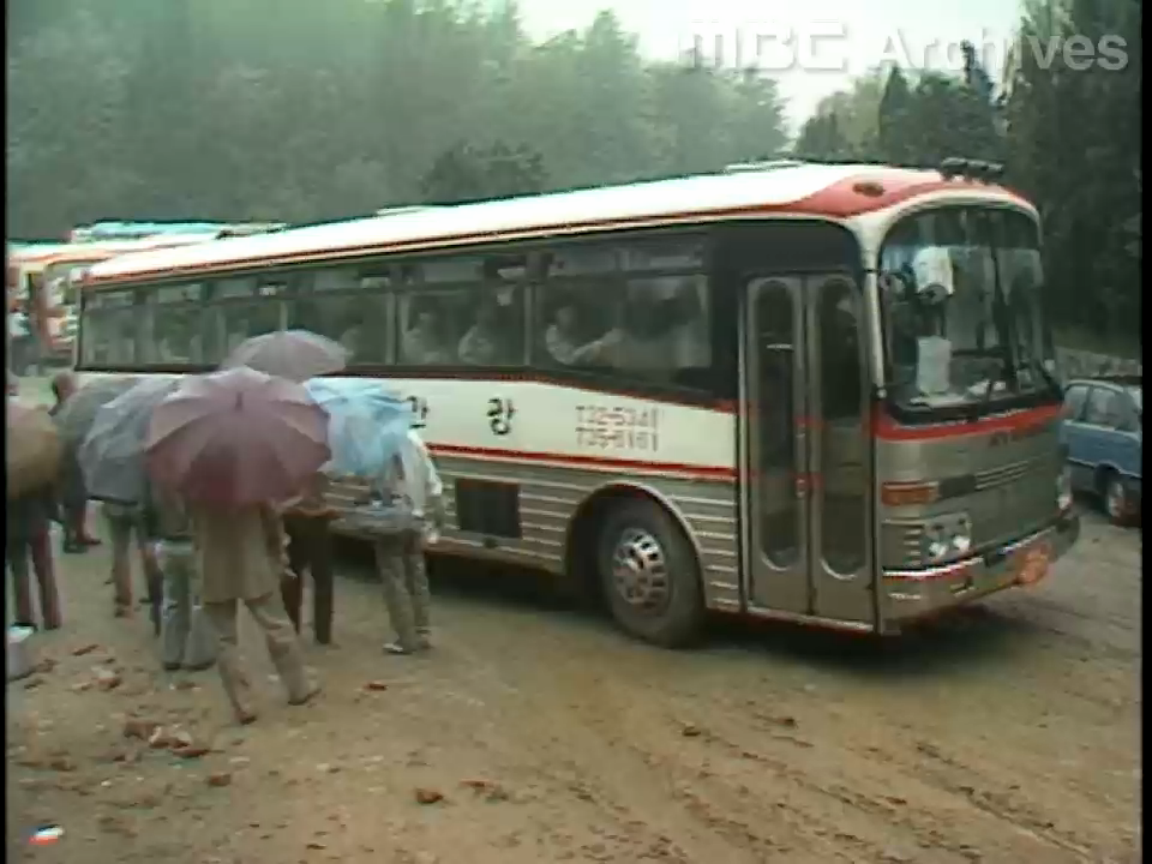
{"points": [[29, 518], [306, 521], [73, 494]]}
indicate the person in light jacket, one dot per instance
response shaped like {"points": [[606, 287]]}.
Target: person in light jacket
{"points": [[412, 479], [187, 638], [242, 557]]}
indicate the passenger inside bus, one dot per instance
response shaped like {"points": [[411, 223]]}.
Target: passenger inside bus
{"points": [[488, 342], [562, 338], [177, 339], [423, 342]]}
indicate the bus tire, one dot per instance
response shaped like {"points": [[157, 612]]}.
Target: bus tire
{"points": [[649, 574]]}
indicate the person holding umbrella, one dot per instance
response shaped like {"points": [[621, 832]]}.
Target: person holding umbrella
{"points": [[187, 638], [32, 457], [306, 520], [229, 444], [73, 493], [412, 479]]}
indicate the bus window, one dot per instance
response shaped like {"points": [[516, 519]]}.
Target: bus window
{"points": [[172, 331], [495, 335], [348, 305], [111, 328], [654, 327], [478, 322], [240, 309], [429, 329]]}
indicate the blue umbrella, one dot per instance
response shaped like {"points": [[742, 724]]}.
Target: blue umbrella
{"points": [[112, 453], [366, 425]]}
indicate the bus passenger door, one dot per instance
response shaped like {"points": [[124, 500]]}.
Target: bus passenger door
{"points": [[776, 508], [805, 473], [839, 451]]}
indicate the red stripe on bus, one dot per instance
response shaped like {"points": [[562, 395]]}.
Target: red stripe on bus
{"points": [[703, 471], [888, 429]]}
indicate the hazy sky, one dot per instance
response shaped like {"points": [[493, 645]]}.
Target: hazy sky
{"points": [[850, 35]]}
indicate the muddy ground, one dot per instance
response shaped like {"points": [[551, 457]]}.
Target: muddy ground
{"points": [[536, 734]]}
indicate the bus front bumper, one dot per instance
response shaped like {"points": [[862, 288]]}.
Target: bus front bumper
{"points": [[912, 594]]}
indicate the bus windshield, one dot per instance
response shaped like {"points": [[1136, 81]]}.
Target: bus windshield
{"points": [[962, 291]]}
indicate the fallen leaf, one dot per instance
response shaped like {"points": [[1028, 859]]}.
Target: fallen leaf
{"points": [[376, 686], [107, 679], [220, 778], [425, 795], [489, 789], [138, 727], [62, 763]]}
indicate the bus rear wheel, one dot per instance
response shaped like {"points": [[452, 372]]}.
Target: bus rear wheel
{"points": [[649, 575]]}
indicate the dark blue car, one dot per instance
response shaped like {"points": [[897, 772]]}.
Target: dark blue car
{"points": [[1103, 431]]}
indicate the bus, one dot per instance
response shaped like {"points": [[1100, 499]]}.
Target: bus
{"points": [[813, 393], [43, 278]]}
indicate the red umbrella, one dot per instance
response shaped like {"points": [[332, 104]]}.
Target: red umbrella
{"points": [[237, 437]]}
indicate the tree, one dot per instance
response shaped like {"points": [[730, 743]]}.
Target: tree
{"points": [[895, 125], [463, 173], [821, 139]]}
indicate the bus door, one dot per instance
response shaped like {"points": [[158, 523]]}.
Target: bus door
{"points": [[806, 471]]}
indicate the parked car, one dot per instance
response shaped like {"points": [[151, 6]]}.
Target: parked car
{"points": [[1103, 432]]}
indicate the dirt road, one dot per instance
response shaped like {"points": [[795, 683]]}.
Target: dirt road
{"points": [[1010, 734]]}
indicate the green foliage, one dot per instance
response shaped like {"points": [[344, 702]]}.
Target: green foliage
{"points": [[464, 173], [301, 111], [1069, 136]]}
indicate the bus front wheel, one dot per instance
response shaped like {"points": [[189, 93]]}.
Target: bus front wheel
{"points": [[650, 576]]}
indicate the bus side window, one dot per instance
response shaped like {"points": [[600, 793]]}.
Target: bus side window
{"points": [[111, 329], [348, 305], [239, 311], [430, 328], [174, 322], [495, 333], [465, 309], [639, 308], [577, 306]]}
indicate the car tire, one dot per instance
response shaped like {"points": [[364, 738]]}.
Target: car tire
{"points": [[650, 575], [1115, 497]]}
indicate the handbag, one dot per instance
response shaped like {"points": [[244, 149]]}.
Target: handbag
{"points": [[379, 519]]}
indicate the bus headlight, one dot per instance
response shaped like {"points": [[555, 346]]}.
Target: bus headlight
{"points": [[947, 537], [1064, 489]]}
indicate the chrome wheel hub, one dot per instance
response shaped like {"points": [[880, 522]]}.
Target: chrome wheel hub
{"points": [[1114, 499], [640, 570]]}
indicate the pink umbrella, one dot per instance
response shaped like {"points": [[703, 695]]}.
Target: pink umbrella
{"points": [[237, 437], [293, 354]]}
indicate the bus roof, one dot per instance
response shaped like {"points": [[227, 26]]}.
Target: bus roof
{"points": [[816, 190], [38, 258], [113, 230]]}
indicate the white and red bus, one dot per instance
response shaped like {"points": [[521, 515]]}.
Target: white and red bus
{"points": [[814, 393]]}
